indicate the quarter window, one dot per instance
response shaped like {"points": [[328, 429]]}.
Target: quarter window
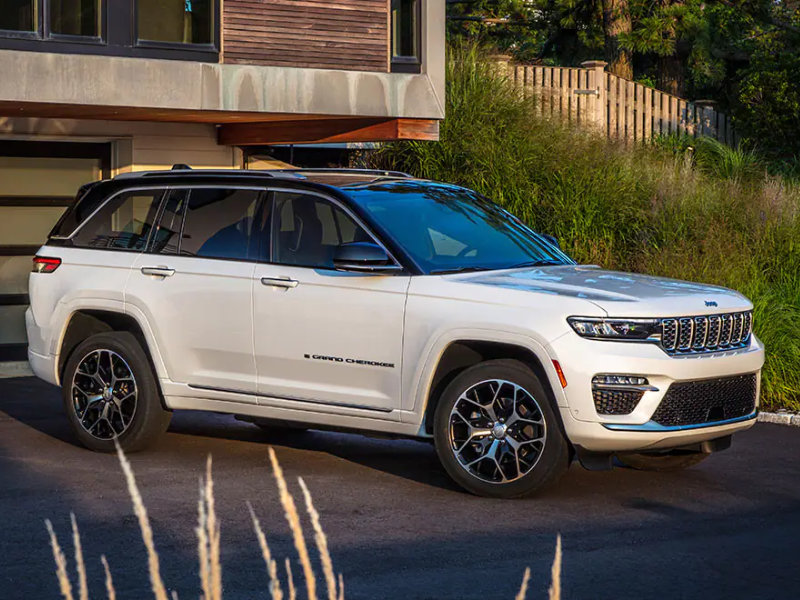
{"points": [[123, 223], [219, 223], [308, 230]]}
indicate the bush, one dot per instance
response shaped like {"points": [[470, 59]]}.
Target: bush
{"points": [[715, 217]]}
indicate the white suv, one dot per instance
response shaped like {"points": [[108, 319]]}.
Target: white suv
{"points": [[375, 302]]}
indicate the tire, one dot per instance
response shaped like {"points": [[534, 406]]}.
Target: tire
{"points": [[509, 456], [664, 462], [110, 391]]}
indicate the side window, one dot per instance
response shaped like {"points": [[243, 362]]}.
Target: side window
{"points": [[124, 222], [309, 228], [219, 223]]}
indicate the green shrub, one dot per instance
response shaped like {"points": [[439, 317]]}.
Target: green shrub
{"points": [[714, 217]]}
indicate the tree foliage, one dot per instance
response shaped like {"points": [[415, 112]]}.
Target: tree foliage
{"points": [[745, 54]]}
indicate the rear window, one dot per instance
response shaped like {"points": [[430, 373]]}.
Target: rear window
{"points": [[86, 201], [123, 223]]}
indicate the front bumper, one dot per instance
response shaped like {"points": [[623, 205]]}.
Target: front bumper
{"points": [[581, 359]]}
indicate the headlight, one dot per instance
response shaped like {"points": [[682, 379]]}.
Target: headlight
{"points": [[616, 329]]}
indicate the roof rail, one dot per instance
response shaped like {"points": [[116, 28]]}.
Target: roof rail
{"points": [[180, 169]]}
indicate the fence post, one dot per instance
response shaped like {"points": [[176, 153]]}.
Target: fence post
{"points": [[707, 117], [597, 81]]}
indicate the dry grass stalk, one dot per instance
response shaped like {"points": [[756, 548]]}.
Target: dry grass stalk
{"points": [[159, 591], [294, 524], [555, 586], [275, 591], [290, 581], [80, 566], [213, 536], [112, 593], [341, 587], [61, 563], [523, 589], [202, 544], [321, 541]]}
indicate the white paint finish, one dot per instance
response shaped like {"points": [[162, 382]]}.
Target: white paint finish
{"points": [[202, 318], [335, 315]]}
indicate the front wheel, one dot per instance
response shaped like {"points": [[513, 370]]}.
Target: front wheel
{"points": [[110, 393], [497, 433]]}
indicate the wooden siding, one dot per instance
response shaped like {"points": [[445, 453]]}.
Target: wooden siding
{"points": [[325, 34]]}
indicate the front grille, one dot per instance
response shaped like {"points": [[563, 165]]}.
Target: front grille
{"points": [[707, 333], [616, 402], [707, 401]]}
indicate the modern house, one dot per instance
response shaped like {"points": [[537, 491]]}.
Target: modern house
{"points": [[93, 88]]}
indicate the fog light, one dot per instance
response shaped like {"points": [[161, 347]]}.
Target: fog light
{"points": [[619, 380]]}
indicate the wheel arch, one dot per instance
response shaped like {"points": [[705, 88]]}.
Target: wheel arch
{"points": [[85, 322], [461, 354]]}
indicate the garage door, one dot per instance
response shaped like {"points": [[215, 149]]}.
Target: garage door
{"points": [[38, 180]]}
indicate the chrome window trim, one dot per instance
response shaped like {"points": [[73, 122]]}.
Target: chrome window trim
{"points": [[396, 263]]}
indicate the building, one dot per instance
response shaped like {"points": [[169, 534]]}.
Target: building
{"points": [[93, 88]]}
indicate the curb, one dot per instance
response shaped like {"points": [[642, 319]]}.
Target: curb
{"points": [[779, 418], [15, 369]]}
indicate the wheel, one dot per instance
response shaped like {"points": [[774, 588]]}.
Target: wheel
{"points": [[109, 392], [665, 461], [496, 431]]}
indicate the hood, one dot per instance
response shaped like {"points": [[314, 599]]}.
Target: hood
{"points": [[619, 294]]}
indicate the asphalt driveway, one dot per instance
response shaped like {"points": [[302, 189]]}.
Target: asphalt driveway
{"points": [[397, 528]]}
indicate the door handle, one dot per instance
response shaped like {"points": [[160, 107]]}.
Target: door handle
{"points": [[158, 271], [281, 282]]}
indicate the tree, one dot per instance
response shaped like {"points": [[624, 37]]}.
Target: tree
{"points": [[616, 25]]}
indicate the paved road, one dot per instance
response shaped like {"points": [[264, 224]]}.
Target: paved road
{"points": [[729, 528]]}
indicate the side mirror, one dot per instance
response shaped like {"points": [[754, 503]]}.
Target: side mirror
{"points": [[363, 257], [552, 239]]}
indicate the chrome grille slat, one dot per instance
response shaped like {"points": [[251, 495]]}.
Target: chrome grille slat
{"points": [[706, 333]]}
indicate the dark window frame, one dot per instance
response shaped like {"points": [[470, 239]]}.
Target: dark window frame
{"points": [[118, 37], [407, 64]]}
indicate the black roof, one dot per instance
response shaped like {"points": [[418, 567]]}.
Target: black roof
{"points": [[331, 177]]}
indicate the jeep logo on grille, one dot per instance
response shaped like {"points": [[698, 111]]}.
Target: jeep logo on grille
{"points": [[710, 303]]}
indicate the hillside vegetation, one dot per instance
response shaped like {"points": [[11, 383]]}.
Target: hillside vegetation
{"points": [[690, 209]]}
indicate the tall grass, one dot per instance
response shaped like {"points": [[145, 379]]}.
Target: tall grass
{"points": [[208, 536], [710, 215]]}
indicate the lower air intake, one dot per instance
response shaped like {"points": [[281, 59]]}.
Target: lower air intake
{"points": [[707, 401]]}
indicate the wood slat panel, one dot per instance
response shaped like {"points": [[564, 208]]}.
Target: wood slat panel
{"points": [[329, 34]]}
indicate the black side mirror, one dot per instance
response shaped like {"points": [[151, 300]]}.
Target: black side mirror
{"points": [[363, 256], [552, 239]]}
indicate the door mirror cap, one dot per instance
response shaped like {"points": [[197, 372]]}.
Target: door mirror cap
{"points": [[552, 239], [363, 257]]}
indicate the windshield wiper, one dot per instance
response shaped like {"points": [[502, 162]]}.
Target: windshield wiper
{"points": [[457, 270], [536, 263]]}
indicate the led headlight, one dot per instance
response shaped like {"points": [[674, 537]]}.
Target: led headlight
{"points": [[616, 329]]}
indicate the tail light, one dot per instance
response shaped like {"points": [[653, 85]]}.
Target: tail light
{"points": [[45, 264]]}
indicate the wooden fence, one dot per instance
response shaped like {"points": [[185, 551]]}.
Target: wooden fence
{"points": [[623, 109]]}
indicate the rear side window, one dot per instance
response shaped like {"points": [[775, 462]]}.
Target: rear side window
{"points": [[219, 223], [123, 223]]}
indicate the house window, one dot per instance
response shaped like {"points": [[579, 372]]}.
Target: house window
{"points": [[75, 17], [176, 21], [177, 29], [406, 36], [19, 15]]}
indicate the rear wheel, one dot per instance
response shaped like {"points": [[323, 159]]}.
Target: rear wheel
{"points": [[110, 392], [666, 461], [497, 433]]}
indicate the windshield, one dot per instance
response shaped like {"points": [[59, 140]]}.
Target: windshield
{"points": [[449, 229]]}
